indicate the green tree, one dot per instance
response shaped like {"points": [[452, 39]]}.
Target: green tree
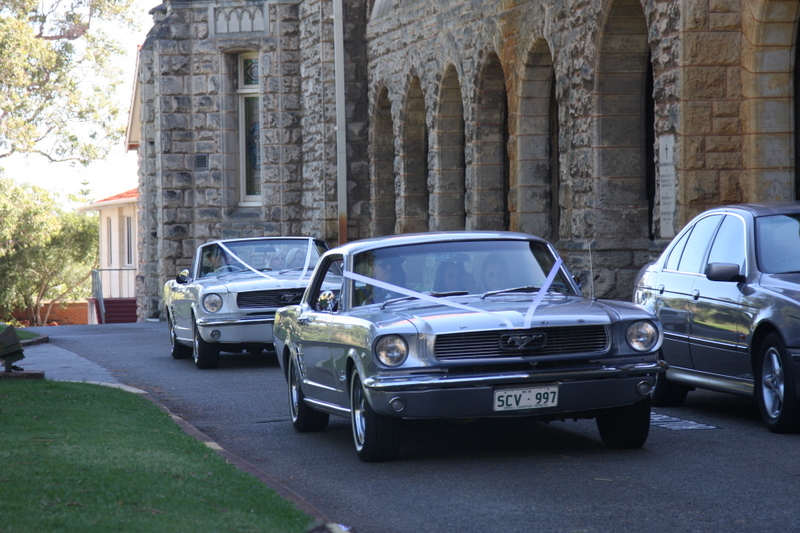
{"points": [[46, 252], [58, 76]]}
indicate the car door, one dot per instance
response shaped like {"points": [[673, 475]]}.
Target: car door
{"points": [[717, 314], [184, 297], [674, 299], [313, 346]]}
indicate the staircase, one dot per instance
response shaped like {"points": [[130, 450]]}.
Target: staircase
{"points": [[118, 310]]}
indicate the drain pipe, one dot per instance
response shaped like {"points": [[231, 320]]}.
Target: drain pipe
{"points": [[341, 126]]}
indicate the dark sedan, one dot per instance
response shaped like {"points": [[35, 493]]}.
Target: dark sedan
{"points": [[727, 291]]}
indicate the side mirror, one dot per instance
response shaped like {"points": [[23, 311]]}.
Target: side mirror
{"points": [[183, 276], [723, 272], [326, 301]]}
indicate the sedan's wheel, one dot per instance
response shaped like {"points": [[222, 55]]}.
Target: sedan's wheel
{"points": [[206, 355], [775, 387], [625, 427], [668, 393], [376, 437], [304, 418], [177, 350]]}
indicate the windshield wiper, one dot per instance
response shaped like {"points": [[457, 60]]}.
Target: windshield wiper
{"points": [[524, 288], [448, 293], [395, 300]]}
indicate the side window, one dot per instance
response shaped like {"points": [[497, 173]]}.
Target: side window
{"points": [[676, 253], [697, 245], [728, 245], [332, 280]]}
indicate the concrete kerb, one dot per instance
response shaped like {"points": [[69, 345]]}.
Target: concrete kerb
{"points": [[322, 525]]}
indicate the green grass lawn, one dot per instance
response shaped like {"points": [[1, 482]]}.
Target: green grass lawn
{"points": [[82, 457], [21, 333]]}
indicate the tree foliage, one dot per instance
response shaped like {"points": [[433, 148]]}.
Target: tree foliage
{"points": [[46, 252], [58, 75]]}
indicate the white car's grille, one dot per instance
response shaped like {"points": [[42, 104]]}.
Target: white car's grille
{"points": [[268, 299], [570, 340]]}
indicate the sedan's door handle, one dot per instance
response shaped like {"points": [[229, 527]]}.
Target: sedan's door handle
{"points": [[303, 321], [695, 294]]}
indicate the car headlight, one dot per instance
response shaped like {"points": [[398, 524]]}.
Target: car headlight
{"points": [[391, 350], [642, 336], [212, 302]]}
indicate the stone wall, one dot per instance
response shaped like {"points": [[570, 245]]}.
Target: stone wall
{"points": [[603, 126]]}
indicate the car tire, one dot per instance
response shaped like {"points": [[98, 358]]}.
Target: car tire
{"points": [[177, 350], [775, 387], [304, 418], [376, 437], [625, 427], [206, 354], [668, 393]]}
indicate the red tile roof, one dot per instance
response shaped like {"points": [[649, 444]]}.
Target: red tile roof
{"points": [[132, 194]]}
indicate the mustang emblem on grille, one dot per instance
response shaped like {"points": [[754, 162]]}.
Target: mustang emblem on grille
{"points": [[518, 342], [287, 297]]}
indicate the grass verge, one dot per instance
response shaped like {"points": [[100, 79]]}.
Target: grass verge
{"points": [[82, 457]]}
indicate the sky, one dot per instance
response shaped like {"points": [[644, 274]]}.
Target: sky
{"points": [[113, 175]]}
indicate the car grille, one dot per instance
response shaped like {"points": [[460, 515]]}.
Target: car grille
{"points": [[268, 299], [573, 340]]}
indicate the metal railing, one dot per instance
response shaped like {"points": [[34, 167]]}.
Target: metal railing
{"points": [[112, 283]]}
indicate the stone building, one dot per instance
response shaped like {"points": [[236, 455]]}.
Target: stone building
{"points": [[602, 125]]}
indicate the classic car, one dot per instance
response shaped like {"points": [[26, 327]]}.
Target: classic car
{"points": [[227, 300], [727, 290], [461, 325]]}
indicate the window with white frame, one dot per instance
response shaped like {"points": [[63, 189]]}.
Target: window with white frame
{"points": [[109, 242], [128, 241], [249, 129]]}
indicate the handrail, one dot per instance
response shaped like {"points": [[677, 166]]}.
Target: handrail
{"points": [[112, 283]]}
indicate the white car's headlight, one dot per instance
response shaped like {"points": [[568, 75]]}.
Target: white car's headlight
{"points": [[391, 350], [212, 302], [642, 336]]}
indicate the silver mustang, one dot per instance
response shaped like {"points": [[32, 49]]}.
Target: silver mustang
{"points": [[462, 325], [227, 300]]}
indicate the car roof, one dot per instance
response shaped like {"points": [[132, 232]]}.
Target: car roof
{"points": [[435, 236], [760, 209], [270, 238]]}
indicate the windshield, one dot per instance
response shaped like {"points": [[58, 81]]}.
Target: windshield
{"points": [[778, 243], [453, 268], [263, 255]]}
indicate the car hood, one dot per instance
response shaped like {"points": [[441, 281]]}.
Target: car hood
{"points": [[501, 312], [251, 281], [788, 285]]}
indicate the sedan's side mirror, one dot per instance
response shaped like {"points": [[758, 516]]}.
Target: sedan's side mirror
{"points": [[723, 272], [183, 276], [326, 301]]}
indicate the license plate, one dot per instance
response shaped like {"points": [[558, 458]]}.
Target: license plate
{"points": [[530, 398]]}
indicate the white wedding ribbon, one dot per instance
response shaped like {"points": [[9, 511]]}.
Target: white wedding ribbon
{"points": [[441, 301], [263, 275]]}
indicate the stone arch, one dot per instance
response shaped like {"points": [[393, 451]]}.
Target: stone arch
{"points": [[770, 116], [487, 176], [413, 198], [620, 204], [534, 199], [382, 178], [446, 182]]}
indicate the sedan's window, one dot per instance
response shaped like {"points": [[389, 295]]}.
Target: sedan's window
{"points": [[695, 251], [677, 251], [455, 268], [728, 245], [778, 243]]}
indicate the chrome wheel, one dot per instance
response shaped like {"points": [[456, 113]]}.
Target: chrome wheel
{"points": [[772, 388], [775, 387], [376, 437], [304, 418]]}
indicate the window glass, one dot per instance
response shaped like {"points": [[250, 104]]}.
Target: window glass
{"points": [[696, 246], [728, 245], [777, 243], [677, 251]]}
